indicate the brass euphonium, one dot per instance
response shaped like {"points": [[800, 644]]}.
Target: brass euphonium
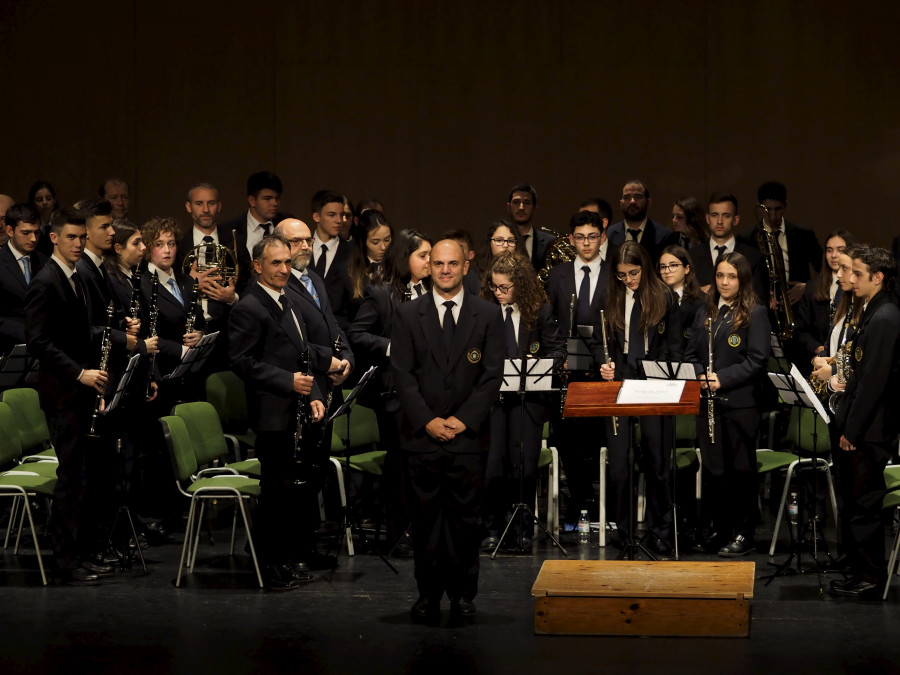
{"points": [[778, 286], [559, 252], [210, 255]]}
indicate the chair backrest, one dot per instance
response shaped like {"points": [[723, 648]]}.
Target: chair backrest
{"points": [[181, 450], [225, 391], [363, 429], [800, 432], [10, 445], [205, 430], [685, 431], [30, 419]]}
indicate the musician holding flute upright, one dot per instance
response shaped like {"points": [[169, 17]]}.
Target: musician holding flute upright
{"points": [[267, 347], [644, 323], [730, 346]]}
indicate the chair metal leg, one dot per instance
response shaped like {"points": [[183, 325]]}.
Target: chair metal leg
{"points": [[37, 548], [234, 527], [553, 494], [192, 555], [13, 512], [892, 564], [339, 470], [834, 506], [784, 496], [188, 534], [699, 489], [240, 505], [604, 452], [25, 510]]}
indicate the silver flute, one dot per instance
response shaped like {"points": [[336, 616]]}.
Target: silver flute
{"points": [[615, 420]]}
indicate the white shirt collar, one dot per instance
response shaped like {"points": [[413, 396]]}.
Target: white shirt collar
{"points": [[275, 295], [332, 243], [439, 301], [252, 222], [69, 270], [17, 254], [199, 234], [594, 265], [97, 260], [729, 246], [164, 277]]}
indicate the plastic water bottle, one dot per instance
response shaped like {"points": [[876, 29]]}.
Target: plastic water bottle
{"points": [[794, 509], [584, 528]]}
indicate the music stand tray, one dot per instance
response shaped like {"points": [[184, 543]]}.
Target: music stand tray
{"points": [[16, 368]]}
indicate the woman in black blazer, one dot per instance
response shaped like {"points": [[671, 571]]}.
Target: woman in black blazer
{"points": [[740, 335], [677, 271], [531, 331], [644, 323]]}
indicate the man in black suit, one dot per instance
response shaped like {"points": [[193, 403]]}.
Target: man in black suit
{"points": [[800, 247], [331, 254], [447, 351], [19, 264], [59, 335], [264, 191], [867, 416], [636, 226], [591, 289], [722, 218], [521, 205], [116, 191], [269, 342]]}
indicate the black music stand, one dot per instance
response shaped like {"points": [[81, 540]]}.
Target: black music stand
{"points": [[195, 357], [795, 390], [670, 370], [631, 392], [16, 368], [524, 375]]}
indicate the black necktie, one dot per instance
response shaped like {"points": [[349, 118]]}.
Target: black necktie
{"points": [[419, 290], [634, 234], [512, 346], [449, 326], [265, 227], [583, 315], [635, 336], [320, 263], [721, 250], [79, 291]]}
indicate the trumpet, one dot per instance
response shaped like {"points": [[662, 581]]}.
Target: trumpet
{"points": [[710, 394], [105, 348], [607, 360]]}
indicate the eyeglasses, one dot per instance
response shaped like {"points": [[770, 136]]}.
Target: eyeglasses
{"points": [[671, 267], [586, 237], [296, 241], [505, 288], [500, 241], [633, 274]]}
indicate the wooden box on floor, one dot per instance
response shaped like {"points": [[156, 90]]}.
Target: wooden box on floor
{"points": [[625, 597]]}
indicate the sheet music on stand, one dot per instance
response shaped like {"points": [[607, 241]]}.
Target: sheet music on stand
{"points": [[795, 390], [17, 367], [122, 385], [667, 370], [195, 357], [538, 374], [777, 353], [366, 376], [578, 351]]}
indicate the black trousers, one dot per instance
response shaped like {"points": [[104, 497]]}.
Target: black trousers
{"points": [[860, 477], [730, 483], [446, 491], [654, 461], [578, 441]]}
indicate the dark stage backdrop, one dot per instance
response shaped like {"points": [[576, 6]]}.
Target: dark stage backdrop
{"points": [[437, 107]]}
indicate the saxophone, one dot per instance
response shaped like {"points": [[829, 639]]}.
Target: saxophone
{"points": [[105, 348], [842, 362], [778, 287]]}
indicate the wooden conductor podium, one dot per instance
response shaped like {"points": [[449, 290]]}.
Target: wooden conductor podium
{"points": [[628, 597]]}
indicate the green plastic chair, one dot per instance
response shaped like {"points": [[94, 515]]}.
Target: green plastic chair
{"points": [[210, 442], [548, 459], [33, 430], [225, 390], [200, 485]]}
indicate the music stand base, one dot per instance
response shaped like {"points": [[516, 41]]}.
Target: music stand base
{"points": [[524, 509]]}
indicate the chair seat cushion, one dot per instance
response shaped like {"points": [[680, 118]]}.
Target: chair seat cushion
{"points": [[773, 460], [43, 485], [247, 467], [243, 484]]}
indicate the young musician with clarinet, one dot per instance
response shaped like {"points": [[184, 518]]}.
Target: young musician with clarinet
{"points": [[730, 349], [644, 323]]}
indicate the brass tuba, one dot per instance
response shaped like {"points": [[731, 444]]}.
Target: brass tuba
{"points": [[211, 255], [559, 252], [778, 287]]}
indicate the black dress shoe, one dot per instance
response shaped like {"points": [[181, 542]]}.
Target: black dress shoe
{"points": [[300, 572], [79, 577], [156, 534], [710, 544], [741, 545], [319, 561], [489, 543], [857, 588], [659, 546], [98, 568], [279, 578], [423, 608], [462, 607]]}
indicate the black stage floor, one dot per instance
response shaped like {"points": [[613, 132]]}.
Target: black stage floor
{"points": [[359, 622]]}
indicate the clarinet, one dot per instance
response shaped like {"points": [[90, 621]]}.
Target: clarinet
{"points": [[710, 394], [303, 420], [135, 294], [336, 352], [105, 347], [572, 316], [615, 420], [154, 314], [194, 308]]}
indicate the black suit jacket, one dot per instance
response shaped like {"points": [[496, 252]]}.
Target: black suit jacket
{"points": [[12, 292], [687, 312], [171, 320], [370, 336], [337, 284], [98, 288], [868, 410], [703, 260], [655, 238], [739, 357], [59, 335], [542, 240], [562, 286], [265, 351], [430, 385], [804, 251], [218, 311]]}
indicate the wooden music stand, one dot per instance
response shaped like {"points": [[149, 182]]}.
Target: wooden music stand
{"points": [[598, 399]]}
